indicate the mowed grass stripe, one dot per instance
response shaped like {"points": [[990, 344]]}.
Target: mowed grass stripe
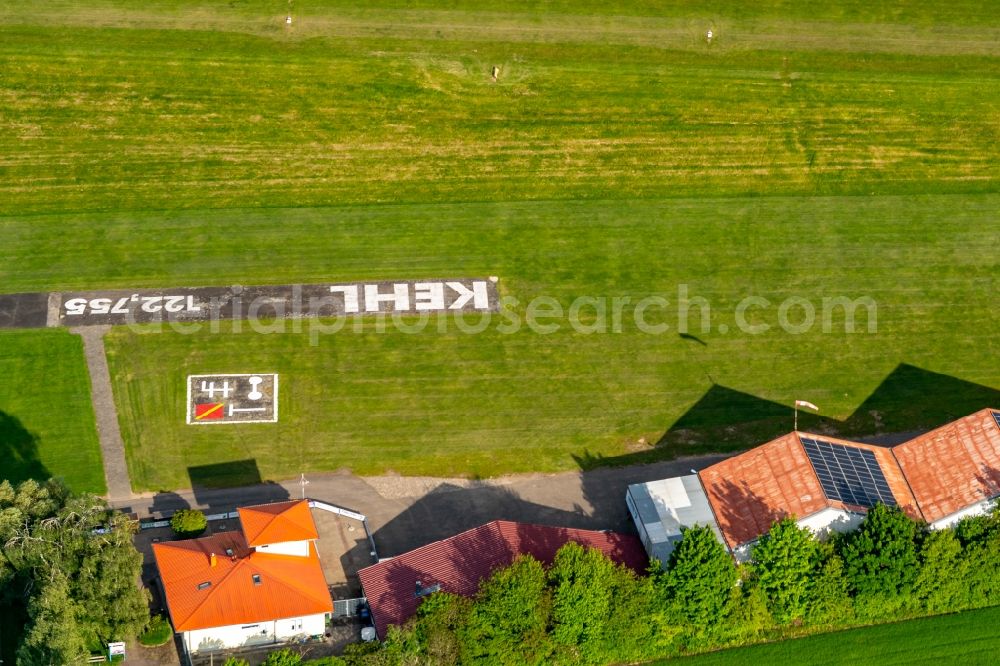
{"points": [[443, 402], [968, 638], [46, 418], [843, 26], [556, 248], [189, 119]]}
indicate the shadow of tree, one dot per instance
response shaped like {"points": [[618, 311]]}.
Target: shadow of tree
{"points": [[911, 398], [165, 504], [989, 481], [19, 452], [742, 513]]}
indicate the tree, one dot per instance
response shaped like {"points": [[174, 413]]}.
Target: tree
{"points": [[598, 615], [188, 523], [746, 614], [440, 619], [941, 581], [54, 635], [700, 577], [56, 546], [584, 582], [106, 578], [829, 596], [880, 558], [980, 539], [783, 562], [510, 616]]}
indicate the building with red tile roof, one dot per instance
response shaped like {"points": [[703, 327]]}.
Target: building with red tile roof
{"points": [[828, 484], [224, 591], [954, 470], [394, 587], [750, 491]]}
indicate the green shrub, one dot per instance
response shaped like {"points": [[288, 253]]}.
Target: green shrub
{"points": [[283, 657], [157, 632], [235, 661], [188, 523], [510, 616]]}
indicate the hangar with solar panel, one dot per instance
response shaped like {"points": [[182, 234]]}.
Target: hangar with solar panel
{"points": [[827, 484]]}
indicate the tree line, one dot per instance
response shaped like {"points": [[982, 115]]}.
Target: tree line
{"points": [[68, 572], [585, 609]]}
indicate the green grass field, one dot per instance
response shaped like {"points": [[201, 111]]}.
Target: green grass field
{"points": [[181, 104], [488, 403], [968, 638], [46, 420], [819, 152]]}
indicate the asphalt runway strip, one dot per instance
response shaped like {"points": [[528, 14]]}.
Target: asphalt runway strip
{"points": [[142, 306]]}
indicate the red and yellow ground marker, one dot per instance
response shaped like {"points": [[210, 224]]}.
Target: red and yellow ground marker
{"points": [[209, 411]]}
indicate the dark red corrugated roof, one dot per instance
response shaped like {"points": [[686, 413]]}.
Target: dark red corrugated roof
{"points": [[459, 563]]}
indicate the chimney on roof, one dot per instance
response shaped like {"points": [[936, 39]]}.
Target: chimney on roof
{"points": [[211, 559]]}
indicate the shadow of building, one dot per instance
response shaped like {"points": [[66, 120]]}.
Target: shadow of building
{"points": [[211, 483], [450, 509], [909, 400]]}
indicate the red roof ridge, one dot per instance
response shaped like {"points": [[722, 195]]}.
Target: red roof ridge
{"points": [[922, 438]]}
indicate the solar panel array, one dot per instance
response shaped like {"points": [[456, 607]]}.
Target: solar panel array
{"points": [[849, 474], [996, 417]]}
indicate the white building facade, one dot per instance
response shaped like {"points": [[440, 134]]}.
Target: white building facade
{"points": [[254, 633]]}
